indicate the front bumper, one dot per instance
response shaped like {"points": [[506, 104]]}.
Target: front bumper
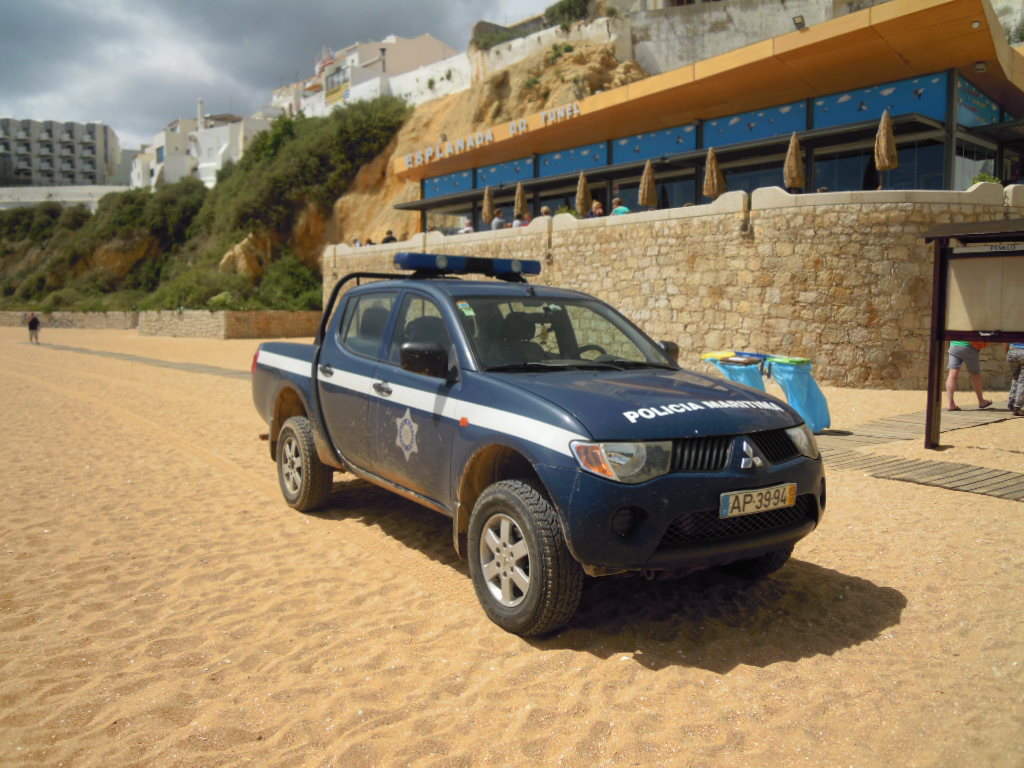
{"points": [[677, 523]]}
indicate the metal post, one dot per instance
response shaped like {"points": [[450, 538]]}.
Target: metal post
{"points": [[933, 409]]}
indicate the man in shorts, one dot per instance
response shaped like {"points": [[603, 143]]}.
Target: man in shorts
{"points": [[961, 352]]}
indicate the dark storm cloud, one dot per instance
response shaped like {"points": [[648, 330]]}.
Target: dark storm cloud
{"points": [[138, 65]]}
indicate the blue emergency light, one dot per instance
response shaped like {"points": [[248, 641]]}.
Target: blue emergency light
{"points": [[439, 263]]}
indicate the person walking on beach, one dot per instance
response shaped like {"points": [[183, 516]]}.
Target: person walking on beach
{"points": [[33, 328], [1015, 357], [961, 352]]}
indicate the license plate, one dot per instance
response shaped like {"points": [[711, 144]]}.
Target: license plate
{"points": [[762, 500]]}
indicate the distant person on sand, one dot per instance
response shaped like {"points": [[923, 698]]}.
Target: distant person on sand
{"points": [[961, 352], [33, 328]]}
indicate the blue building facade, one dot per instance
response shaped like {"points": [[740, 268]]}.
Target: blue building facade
{"points": [[836, 131]]}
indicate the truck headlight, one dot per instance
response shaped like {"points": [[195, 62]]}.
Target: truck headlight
{"points": [[804, 441], [624, 462]]}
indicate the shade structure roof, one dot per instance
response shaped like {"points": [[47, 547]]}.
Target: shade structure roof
{"points": [[1001, 230], [888, 42]]}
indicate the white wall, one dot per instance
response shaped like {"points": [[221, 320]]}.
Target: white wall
{"points": [[450, 76], [18, 197], [674, 37]]}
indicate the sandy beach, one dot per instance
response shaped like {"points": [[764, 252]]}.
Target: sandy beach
{"points": [[160, 605]]}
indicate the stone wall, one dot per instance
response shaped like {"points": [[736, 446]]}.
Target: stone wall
{"points": [[200, 323], [229, 325], [843, 278], [73, 319]]}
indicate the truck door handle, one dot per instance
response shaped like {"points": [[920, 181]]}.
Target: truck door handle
{"points": [[381, 387], [326, 370]]}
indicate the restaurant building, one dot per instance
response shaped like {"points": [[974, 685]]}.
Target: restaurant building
{"points": [[943, 69]]}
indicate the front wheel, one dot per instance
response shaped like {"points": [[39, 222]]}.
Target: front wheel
{"points": [[523, 574], [759, 567], [305, 480]]}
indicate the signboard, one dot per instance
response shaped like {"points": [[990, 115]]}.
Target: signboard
{"points": [[985, 293], [977, 290]]}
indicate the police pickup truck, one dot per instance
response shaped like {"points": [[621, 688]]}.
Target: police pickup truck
{"points": [[556, 435]]}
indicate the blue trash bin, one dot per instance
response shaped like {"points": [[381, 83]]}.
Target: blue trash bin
{"points": [[802, 391], [744, 370]]}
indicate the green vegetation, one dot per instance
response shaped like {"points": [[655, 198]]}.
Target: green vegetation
{"points": [[557, 50], [177, 235], [562, 14], [565, 12]]}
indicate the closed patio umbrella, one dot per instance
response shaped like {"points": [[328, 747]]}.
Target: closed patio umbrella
{"points": [[714, 179], [487, 210], [583, 198], [648, 192], [886, 157], [520, 204], [793, 171]]}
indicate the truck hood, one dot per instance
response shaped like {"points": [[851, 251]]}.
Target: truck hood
{"points": [[653, 404]]}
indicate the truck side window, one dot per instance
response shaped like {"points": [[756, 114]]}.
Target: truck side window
{"points": [[419, 319], [366, 319]]}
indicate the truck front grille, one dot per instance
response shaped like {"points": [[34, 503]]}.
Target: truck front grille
{"points": [[701, 454], [705, 525], [776, 445]]}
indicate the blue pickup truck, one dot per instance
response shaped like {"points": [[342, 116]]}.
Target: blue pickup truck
{"points": [[558, 437]]}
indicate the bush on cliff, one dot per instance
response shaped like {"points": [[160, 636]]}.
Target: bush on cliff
{"points": [[46, 250], [298, 161]]}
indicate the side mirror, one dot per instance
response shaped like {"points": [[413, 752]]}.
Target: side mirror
{"points": [[427, 358], [672, 350]]}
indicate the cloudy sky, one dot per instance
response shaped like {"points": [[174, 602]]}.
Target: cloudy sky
{"points": [[136, 65]]}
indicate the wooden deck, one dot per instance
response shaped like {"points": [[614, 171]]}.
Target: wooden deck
{"points": [[846, 450]]}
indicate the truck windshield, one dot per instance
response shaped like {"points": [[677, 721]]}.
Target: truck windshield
{"points": [[536, 334]]}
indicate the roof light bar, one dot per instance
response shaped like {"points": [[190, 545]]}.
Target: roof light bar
{"points": [[439, 263]]}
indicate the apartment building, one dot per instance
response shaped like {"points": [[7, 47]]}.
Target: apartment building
{"points": [[195, 147], [50, 153], [359, 71]]}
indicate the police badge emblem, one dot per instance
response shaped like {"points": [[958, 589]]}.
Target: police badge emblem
{"points": [[406, 439]]}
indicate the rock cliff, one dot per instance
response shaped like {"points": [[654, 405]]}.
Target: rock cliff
{"points": [[549, 78]]}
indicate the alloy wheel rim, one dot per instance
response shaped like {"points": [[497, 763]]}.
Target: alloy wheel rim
{"points": [[505, 560], [291, 466]]}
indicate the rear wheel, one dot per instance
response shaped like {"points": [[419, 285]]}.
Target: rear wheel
{"points": [[759, 567], [523, 574], [305, 481]]}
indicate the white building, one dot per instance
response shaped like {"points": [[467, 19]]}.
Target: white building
{"points": [[51, 153], [360, 71], [198, 147]]}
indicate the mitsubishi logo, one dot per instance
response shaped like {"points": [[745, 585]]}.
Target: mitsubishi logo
{"points": [[749, 460]]}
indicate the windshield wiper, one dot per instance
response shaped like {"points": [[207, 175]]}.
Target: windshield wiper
{"points": [[553, 365], [643, 364]]}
